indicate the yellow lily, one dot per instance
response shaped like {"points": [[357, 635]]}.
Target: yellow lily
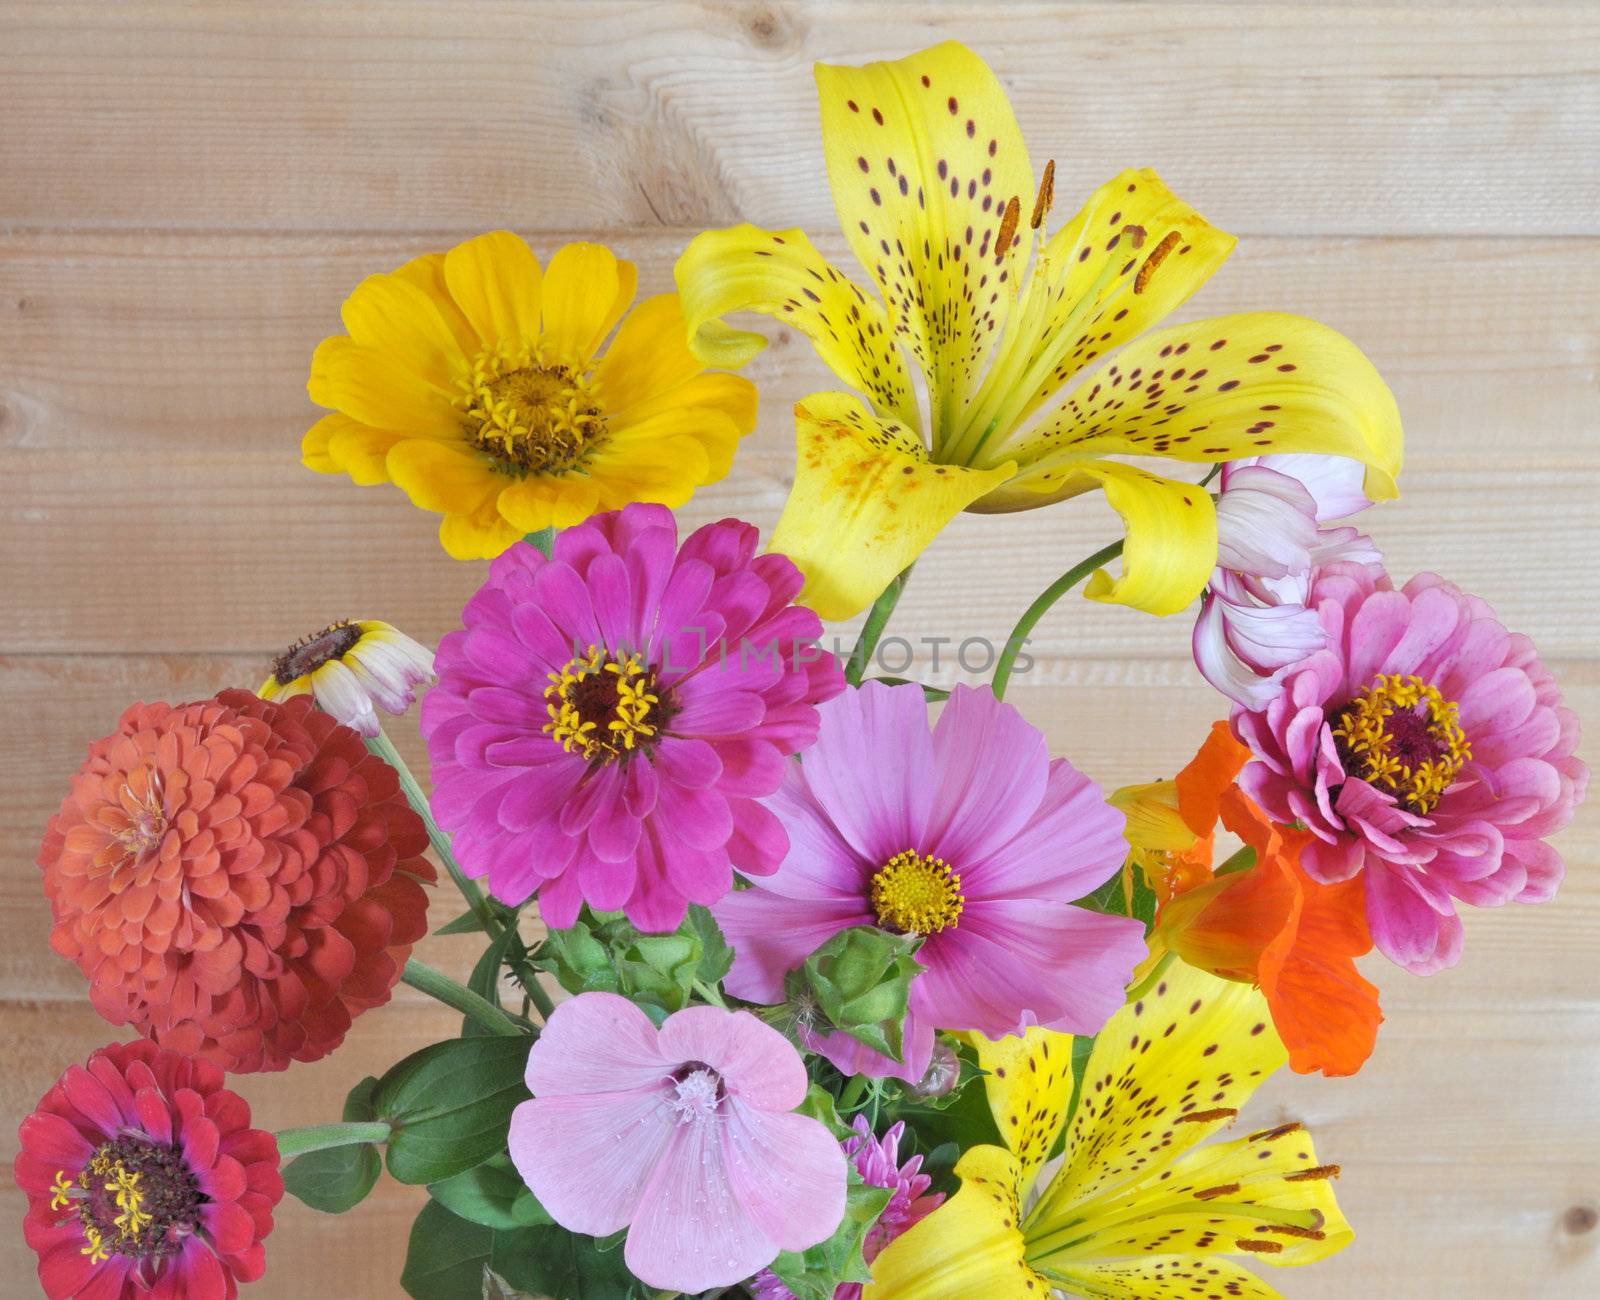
{"points": [[929, 176], [1136, 1207]]}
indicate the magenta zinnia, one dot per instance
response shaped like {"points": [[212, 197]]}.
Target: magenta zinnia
{"points": [[1425, 747], [606, 720], [967, 834]]}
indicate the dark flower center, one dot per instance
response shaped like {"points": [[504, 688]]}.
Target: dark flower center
{"points": [[310, 653], [135, 1198], [533, 419], [1402, 735], [603, 705]]}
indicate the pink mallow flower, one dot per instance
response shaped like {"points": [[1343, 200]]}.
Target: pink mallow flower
{"points": [[685, 1135], [1424, 746], [967, 834], [1254, 621], [877, 1160], [605, 722]]}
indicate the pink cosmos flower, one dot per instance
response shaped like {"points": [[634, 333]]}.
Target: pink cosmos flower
{"points": [[1254, 621], [1424, 746], [603, 725], [878, 1162], [685, 1136], [966, 833]]}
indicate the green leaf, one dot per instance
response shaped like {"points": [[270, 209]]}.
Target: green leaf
{"points": [[813, 1274], [716, 958], [466, 923], [451, 1105], [496, 1287], [1113, 898], [860, 980], [485, 981], [446, 1256], [339, 1178], [492, 1194], [1243, 860]]}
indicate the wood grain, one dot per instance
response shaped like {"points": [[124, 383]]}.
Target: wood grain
{"points": [[190, 190]]}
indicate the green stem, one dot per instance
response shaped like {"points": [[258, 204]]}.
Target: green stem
{"points": [[538, 996], [439, 985], [319, 1137], [872, 629], [1149, 981], [1048, 597], [852, 1092], [709, 994], [384, 748]]}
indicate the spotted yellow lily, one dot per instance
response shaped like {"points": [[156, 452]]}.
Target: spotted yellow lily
{"points": [[1136, 1208], [930, 177]]}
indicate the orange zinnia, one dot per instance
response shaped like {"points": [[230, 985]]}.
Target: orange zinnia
{"points": [[1269, 925]]}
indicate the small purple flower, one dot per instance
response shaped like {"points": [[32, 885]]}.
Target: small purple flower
{"points": [[607, 719], [1254, 621], [685, 1135]]}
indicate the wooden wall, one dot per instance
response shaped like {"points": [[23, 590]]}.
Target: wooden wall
{"points": [[187, 191]]}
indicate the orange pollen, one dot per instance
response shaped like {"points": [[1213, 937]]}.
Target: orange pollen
{"points": [[1158, 255]]}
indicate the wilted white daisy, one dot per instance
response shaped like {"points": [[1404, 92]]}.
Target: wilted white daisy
{"points": [[351, 666]]}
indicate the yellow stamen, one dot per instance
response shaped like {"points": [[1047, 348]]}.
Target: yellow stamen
{"points": [[530, 415], [1402, 734], [917, 895], [61, 1191], [602, 705], [96, 1248]]}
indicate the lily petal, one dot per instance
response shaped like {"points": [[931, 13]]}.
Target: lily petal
{"points": [[969, 1246], [781, 275], [1223, 389], [1028, 1082], [1133, 254], [925, 160], [866, 501]]}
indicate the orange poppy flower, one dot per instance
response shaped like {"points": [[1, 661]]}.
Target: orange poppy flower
{"points": [[1270, 925]]}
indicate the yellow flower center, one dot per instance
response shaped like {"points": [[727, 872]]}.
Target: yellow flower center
{"points": [[602, 705], [1401, 734], [529, 416], [917, 895]]}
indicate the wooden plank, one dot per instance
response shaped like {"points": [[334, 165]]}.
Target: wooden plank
{"points": [[202, 342], [245, 553], [1287, 119]]}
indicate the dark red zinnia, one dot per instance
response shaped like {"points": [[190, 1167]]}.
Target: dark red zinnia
{"points": [[144, 1178], [238, 878]]}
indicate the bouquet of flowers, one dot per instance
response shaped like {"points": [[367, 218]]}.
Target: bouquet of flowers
{"points": [[799, 979]]}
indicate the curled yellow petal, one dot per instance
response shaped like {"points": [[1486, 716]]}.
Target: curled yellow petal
{"points": [[969, 1246], [866, 501], [780, 274]]}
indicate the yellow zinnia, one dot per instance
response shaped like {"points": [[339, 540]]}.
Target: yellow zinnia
{"points": [[1136, 1207], [930, 177], [473, 381]]}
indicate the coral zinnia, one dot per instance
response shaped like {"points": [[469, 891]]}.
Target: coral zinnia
{"points": [[966, 833], [471, 380], [1424, 748], [685, 1135], [604, 724], [237, 878], [144, 1178], [353, 669]]}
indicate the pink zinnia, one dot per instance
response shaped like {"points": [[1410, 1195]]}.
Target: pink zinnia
{"points": [[966, 833], [1254, 618], [1425, 746], [144, 1178], [685, 1136], [603, 726], [877, 1160]]}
